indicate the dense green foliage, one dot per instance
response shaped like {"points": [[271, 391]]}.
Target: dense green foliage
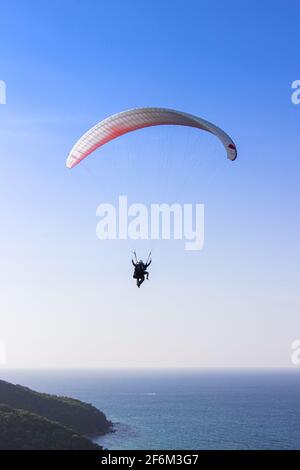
{"points": [[81, 417], [32, 420], [20, 429]]}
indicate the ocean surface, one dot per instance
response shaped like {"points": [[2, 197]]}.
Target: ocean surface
{"points": [[183, 409]]}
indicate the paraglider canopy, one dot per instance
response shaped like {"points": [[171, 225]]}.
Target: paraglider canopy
{"points": [[138, 118]]}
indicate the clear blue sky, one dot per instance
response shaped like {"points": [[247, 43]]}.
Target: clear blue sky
{"points": [[66, 298]]}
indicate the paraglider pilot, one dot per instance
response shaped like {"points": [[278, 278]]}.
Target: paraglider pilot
{"points": [[140, 271]]}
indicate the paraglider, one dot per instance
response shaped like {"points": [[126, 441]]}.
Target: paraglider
{"points": [[138, 118], [127, 121], [140, 269]]}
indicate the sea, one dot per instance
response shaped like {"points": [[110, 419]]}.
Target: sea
{"points": [[184, 408]]}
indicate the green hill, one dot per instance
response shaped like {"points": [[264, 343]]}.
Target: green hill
{"points": [[21, 430], [81, 417], [33, 420]]}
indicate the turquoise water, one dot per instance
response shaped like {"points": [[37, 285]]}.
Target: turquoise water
{"points": [[194, 409]]}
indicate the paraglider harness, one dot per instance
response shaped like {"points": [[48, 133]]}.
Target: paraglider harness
{"points": [[140, 267]]}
